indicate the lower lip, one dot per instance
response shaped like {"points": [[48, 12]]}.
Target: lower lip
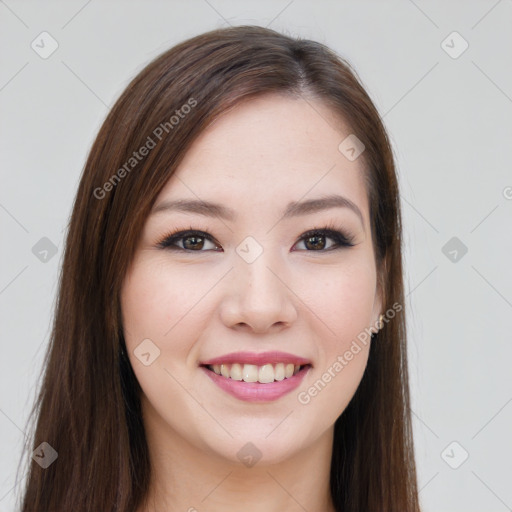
{"points": [[256, 391]]}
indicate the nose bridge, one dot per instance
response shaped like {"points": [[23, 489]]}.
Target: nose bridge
{"points": [[257, 279], [258, 296], [252, 262]]}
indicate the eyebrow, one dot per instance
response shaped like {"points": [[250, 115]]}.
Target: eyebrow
{"points": [[293, 209]]}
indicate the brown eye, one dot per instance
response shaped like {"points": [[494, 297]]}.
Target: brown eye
{"points": [[193, 241], [316, 240]]}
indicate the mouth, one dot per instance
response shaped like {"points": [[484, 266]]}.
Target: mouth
{"points": [[264, 374], [257, 377]]}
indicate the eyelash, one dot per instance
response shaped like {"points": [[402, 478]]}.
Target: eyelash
{"points": [[341, 239]]}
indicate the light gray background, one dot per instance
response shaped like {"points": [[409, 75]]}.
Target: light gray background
{"points": [[449, 120]]}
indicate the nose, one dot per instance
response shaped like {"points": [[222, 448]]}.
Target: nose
{"points": [[257, 298]]}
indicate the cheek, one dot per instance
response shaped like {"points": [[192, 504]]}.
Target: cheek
{"points": [[165, 305], [326, 396], [160, 304], [342, 302], [155, 301], [343, 305], [343, 298], [144, 303]]}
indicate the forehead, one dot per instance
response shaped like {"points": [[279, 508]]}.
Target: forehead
{"points": [[267, 152]]}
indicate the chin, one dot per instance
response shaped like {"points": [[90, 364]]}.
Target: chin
{"points": [[257, 446]]}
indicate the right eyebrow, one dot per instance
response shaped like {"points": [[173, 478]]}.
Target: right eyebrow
{"points": [[206, 208]]}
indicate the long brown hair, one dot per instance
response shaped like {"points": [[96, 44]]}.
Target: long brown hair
{"points": [[88, 406]]}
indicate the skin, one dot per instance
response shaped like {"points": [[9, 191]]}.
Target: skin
{"points": [[203, 303]]}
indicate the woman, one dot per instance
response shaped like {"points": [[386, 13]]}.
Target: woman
{"points": [[233, 251]]}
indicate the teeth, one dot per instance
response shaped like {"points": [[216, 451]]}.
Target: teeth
{"points": [[279, 371], [266, 374], [252, 373], [236, 372], [224, 370]]}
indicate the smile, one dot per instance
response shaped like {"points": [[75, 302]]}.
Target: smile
{"points": [[256, 377]]}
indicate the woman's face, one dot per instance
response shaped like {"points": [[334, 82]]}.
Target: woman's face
{"points": [[250, 292]]}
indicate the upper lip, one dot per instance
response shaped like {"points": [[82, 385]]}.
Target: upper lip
{"points": [[258, 359]]}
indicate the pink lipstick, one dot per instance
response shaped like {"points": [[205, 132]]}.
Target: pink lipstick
{"points": [[257, 377]]}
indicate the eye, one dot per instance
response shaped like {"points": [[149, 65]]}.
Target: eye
{"points": [[315, 240], [197, 241], [190, 240]]}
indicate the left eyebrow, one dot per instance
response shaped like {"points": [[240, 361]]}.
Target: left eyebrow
{"points": [[293, 209], [323, 203]]}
